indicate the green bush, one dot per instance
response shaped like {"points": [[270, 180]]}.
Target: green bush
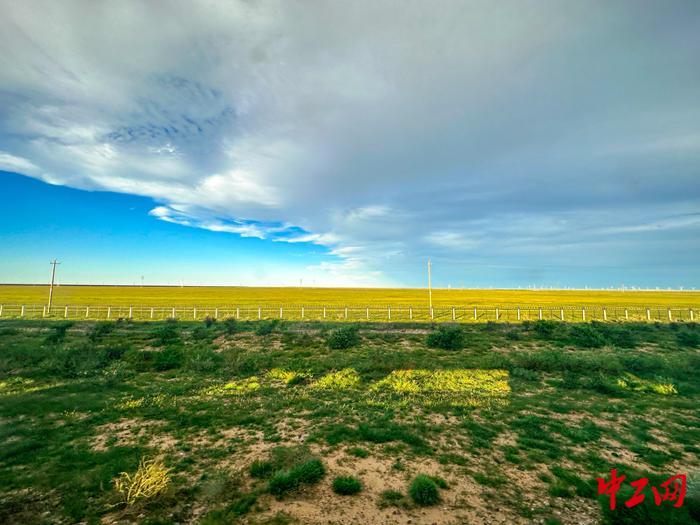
{"points": [[692, 497], [308, 473], [266, 327], [209, 321], [168, 359], [100, 330], [346, 485], [688, 339], [230, 325], [447, 338], [586, 336], [59, 332], [424, 491], [168, 332], [546, 328], [343, 337]]}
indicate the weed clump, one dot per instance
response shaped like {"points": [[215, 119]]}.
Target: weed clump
{"points": [[230, 326], [346, 485], [343, 337], [284, 481], [209, 321], [424, 491], [446, 338], [168, 332], [150, 479]]}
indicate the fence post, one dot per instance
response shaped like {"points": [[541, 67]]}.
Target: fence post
{"points": [[605, 314], [453, 313], [173, 313], [346, 312], [131, 312], [368, 313], [561, 313], [497, 313], [388, 312], [692, 317], [216, 312], [432, 314], [87, 312], [0, 310], [475, 315], [194, 312], [518, 313], [648, 315], [238, 313], [259, 313], [627, 315], [22, 312], [583, 313], [280, 312], [324, 312], [65, 313], [540, 313], [410, 312], [302, 312], [151, 312], [43, 312], [669, 315], [109, 312]]}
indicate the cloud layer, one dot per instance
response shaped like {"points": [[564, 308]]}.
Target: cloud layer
{"points": [[523, 138]]}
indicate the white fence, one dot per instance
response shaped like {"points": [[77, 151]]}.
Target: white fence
{"points": [[466, 314]]}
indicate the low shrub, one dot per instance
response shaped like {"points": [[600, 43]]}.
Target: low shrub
{"points": [[168, 332], [308, 472], [266, 327], [688, 339], [209, 321], [346, 485], [546, 329], [446, 338], [424, 491], [230, 326], [261, 469], [343, 337], [586, 336], [58, 335], [100, 330], [168, 359]]}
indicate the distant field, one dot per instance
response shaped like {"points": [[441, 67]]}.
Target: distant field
{"points": [[237, 295]]}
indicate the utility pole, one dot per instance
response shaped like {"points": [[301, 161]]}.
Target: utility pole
{"points": [[53, 278], [430, 288]]}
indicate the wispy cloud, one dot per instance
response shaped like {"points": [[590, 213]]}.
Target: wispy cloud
{"points": [[468, 131]]}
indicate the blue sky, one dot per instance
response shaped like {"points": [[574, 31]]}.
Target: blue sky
{"points": [[520, 143]]}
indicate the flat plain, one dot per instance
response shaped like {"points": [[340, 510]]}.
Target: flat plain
{"points": [[309, 423], [263, 296]]}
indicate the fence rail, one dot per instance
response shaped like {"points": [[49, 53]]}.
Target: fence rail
{"points": [[463, 314]]}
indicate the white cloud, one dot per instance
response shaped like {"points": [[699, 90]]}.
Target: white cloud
{"points": [[384, 132]]}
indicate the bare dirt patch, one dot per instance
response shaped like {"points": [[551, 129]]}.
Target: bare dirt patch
{"points": [[127, 432]]}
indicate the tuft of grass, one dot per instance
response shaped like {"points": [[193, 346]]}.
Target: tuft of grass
{"points": [[392, 498], [150, 479], [308, 472], [358, 452], [346, 485], [424, 491]]}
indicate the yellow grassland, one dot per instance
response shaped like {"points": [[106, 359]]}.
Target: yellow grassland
{"points": [[264, 296]]}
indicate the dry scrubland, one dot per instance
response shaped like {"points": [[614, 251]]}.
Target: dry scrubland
{"points": [[196, 295], [280, 423]]}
